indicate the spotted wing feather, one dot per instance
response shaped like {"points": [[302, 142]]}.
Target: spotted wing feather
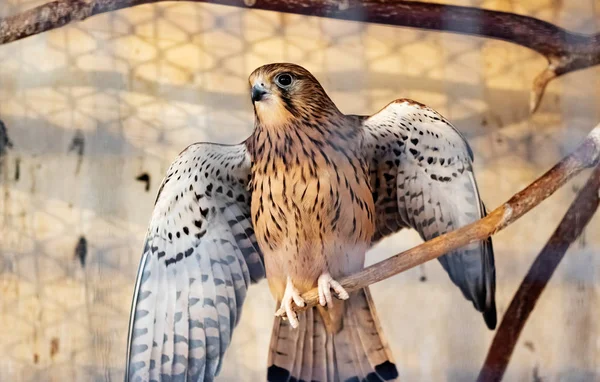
{"points": [[199, 259], [422, 178]]}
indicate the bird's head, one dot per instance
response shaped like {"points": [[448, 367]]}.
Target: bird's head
{"points": [[284, 93]]}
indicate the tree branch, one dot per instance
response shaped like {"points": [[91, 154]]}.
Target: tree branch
{"points": [[565, 51], [585, 156], [573, 223]]}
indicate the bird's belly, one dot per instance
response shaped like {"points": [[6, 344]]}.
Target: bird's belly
{"points": [[306, 227]]}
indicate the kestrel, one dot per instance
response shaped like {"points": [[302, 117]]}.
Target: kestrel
{"points": [[300, 201]]}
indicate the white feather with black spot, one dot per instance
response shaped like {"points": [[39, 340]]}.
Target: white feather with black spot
{"points": [[199, 259], [422, 178]]}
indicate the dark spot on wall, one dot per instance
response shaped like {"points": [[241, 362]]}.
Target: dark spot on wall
{"points": [[529, 345], [530, 147], [78, 143], [144, 177], [5, 142], [54, 347], [536, 375], [36, 358], [423, 277], [81, 250], [78, 146], [17, 169]]}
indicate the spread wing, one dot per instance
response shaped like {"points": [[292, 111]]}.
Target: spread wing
{"points": [[422, 178], [199, 259]]}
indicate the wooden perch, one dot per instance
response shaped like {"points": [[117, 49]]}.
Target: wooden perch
{"points": [[565, 51], [575, 220], [585, 156]]}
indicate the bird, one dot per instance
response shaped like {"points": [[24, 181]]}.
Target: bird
{"points": [[299, 202]]}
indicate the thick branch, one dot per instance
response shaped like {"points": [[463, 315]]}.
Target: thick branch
{"points": [[564, 50], [522, 304], [586, 155]]}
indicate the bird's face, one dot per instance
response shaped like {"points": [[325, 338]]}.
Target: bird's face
{"points": [[282, 93]]}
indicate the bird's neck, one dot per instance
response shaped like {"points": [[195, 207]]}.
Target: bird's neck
{"points": [[276, 151], [296, 135]]}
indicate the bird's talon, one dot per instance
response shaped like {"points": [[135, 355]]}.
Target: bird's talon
{"points": [[325, 284], [290, 296]]}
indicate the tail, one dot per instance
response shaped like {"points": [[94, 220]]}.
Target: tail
{"points": [[355, 353]]}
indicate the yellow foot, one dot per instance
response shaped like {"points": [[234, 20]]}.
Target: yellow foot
{"points": [[290, 295], [326, 283]]}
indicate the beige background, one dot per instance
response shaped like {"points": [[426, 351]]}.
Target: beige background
{"points": [[141, 84]]}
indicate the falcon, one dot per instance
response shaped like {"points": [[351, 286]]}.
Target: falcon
{"points": [[300, 202]]}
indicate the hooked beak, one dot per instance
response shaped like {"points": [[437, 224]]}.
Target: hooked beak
{"points": [[258, 91]]}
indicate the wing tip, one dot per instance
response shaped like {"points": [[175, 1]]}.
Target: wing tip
{"points": [[490, 316]]}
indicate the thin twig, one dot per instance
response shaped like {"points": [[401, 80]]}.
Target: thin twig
{"points": [[585, 156], [572, 225], [565, 51]]}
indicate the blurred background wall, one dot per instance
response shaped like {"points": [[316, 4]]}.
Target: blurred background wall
{"points": [[96, 112]]}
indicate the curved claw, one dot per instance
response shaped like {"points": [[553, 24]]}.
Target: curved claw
{"points": [[290, 295], [325, 284]]}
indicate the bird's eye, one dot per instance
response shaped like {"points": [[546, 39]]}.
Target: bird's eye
{"points": [[284, 80]]}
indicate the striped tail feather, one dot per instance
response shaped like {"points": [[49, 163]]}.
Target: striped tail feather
{"points": [[357, 352]]}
